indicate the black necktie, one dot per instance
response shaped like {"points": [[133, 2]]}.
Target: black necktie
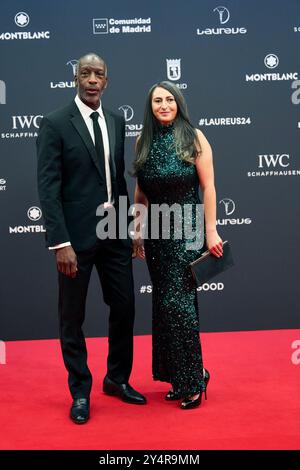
{"points": [[99, 144]]}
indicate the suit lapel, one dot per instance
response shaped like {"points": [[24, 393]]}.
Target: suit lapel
{"points": [[83, 131], [110, 123]]}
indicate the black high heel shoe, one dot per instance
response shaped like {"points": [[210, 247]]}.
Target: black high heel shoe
{"points": [[189, 403], [171, 395], [206, 378]]}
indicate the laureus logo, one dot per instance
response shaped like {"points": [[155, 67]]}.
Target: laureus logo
{"points": [[229, 205], [229, 208], [127, 111], [132, 129], [224, 17], [224, 14], [68, 83], [73, 64]]}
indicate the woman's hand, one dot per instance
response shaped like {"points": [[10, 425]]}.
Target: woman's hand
{"points": [[214, 243], [138, 249]]}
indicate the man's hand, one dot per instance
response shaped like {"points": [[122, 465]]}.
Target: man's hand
{"points": [[66, 261], [138, 250]]}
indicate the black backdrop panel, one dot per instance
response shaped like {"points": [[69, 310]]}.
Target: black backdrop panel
{"points": [[237, 64]]}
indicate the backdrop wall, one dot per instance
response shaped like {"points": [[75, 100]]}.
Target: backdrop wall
{"points": [[237, 63]]}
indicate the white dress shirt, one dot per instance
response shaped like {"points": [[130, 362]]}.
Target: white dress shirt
{"points": [[85, 112]]}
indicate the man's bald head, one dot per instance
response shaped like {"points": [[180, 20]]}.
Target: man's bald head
{"points": [[91, 79], [93, 59]]}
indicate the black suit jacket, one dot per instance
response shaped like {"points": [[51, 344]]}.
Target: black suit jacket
{"points": [[70, 182]]}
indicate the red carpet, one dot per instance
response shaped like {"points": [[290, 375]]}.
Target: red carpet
{"points": [[253, 398]]}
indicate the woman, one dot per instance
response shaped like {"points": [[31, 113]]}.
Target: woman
{"points": [[172, 159]]}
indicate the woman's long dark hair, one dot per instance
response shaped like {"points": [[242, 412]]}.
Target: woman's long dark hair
{"points": [[187, 145]]}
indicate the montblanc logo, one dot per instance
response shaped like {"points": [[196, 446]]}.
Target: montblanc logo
{"points": [[34, 214], [22, 20], [121, 26], [273, 165], [223, 15], [67, 84], [132, 130], [229, 208], [25, 126], [2, 92], [174, 72], [2, 184], [271, 61]]}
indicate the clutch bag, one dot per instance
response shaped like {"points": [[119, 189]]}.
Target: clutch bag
{"points": [[209, 266]]}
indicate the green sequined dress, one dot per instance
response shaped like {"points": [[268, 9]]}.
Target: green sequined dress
{"points": [[176, 348]]}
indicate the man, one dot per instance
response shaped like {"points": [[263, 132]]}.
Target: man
{"points": [[80, 166]]}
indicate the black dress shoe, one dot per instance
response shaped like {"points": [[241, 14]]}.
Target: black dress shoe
{"points": [[80, 410], [171, 396], [124, 391]]}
